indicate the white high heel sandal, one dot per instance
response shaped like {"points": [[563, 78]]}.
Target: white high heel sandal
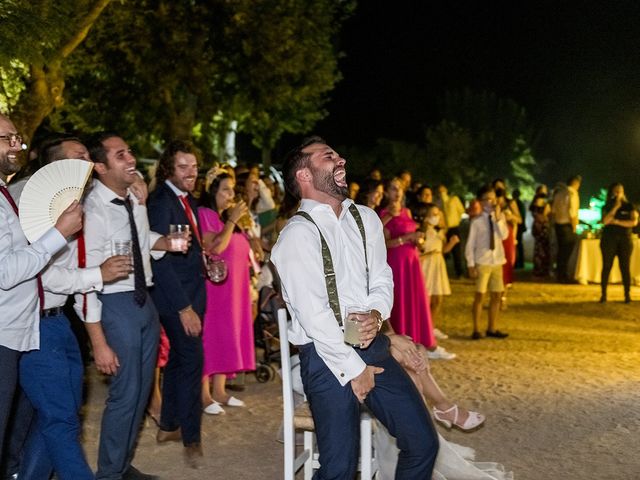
{"points": [[474, 420]]}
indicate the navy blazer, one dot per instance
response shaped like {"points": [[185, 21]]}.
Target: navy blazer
{"points": [[179, 279]]}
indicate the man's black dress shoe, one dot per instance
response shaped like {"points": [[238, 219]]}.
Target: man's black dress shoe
{"points": [[496, 334], [134, 474]]}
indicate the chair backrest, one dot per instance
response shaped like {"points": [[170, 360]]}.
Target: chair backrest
{"points": [[368, 464], [287, 398], [287, 385]]}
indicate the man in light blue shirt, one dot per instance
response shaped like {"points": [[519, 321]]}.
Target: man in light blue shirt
{"points": [[21, 293]]}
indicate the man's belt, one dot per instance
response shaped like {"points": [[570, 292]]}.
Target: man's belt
{"points": [[52, 312]]}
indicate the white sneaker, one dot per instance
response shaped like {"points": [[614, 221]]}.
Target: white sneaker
{"points": [[235, 402], [214, 409], [439, 334], [440, 354]]}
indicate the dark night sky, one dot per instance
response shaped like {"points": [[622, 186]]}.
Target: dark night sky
{"points": [[575, 69]]}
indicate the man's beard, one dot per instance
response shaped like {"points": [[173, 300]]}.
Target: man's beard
{"points": [[7, 167], [324, 182]]}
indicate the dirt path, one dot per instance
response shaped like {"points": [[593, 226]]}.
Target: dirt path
{"points": [[562, 394]]}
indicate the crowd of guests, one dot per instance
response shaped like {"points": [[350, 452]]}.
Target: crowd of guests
{"points": [[124, 299], [169, 292]]}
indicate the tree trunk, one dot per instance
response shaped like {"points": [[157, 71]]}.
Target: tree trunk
{"points": [[46, 83], [42, 95], [266, 159]]}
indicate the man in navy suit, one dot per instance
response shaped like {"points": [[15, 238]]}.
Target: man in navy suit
{"points": [[179, 295]]}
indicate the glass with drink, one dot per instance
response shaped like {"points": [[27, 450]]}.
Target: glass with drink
{"points": [[354, 314], [178, 238], [122, 247]]}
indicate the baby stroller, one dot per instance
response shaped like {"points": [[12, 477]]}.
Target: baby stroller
{"points": [[266, 331]]}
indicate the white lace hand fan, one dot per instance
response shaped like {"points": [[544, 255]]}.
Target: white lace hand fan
{"points": [[49, 192]]}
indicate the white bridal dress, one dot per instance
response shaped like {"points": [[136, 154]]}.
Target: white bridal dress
{"points": [[454, 462]]}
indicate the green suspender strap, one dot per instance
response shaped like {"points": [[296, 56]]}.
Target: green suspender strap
{"points": [[327, 262], [356, 216]]}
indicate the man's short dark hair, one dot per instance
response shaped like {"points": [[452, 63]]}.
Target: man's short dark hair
{"points": [[483, 190], [296, 160], [95, 145], [422, 189], [48, 148], [51, 149], [167, 161]]}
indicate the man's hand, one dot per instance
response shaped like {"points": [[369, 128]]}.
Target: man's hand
{"points": [[191, 322], [497, 211], [473, 272], [115, 268], [140, 189], [364, 383], [368, 328], [70, 221], [106, 360]]}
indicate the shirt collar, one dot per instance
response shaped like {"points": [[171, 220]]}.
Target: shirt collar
{"points": [[175, 189], [105, 193], [308, 205]]}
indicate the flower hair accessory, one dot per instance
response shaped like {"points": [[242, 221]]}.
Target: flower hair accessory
{"points": [[215, 171]]}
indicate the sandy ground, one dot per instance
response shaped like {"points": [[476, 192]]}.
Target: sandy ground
{"points": [[562, 394]]}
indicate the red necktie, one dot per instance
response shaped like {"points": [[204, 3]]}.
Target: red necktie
{"points": [[190, 216], [82, 263], [9, 198]]}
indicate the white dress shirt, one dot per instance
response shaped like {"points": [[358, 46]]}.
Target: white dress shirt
{"points": [[297, 256], [105, 221], [19, 265], [565, 205], [477, 251], [453, 209], [62, 277]]}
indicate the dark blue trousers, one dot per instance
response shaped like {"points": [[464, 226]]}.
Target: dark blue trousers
{"points": [[9, 378], [51, 379], [133, 333], [394, 401], [182, 382]]}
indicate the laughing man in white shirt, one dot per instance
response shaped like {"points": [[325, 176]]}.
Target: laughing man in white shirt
{"points": [[337, 376]]}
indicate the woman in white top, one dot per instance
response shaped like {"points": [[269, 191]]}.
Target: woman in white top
{"points": [[432, 251]]}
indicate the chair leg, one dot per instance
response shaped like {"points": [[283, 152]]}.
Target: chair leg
{"points": [[309, 447], [365, 448], [289, 448]]}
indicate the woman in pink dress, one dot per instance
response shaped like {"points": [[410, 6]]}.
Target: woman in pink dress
{"points": [[513, 217], [411, 314], [227, 334]]}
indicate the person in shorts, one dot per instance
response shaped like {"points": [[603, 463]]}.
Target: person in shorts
{"points": [[485, 257]]}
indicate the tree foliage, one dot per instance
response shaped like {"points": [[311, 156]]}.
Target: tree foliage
{"points": [[450, 156], [32, 66], [481, 137], [156, 69], [287, 65], [145, 71]]}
